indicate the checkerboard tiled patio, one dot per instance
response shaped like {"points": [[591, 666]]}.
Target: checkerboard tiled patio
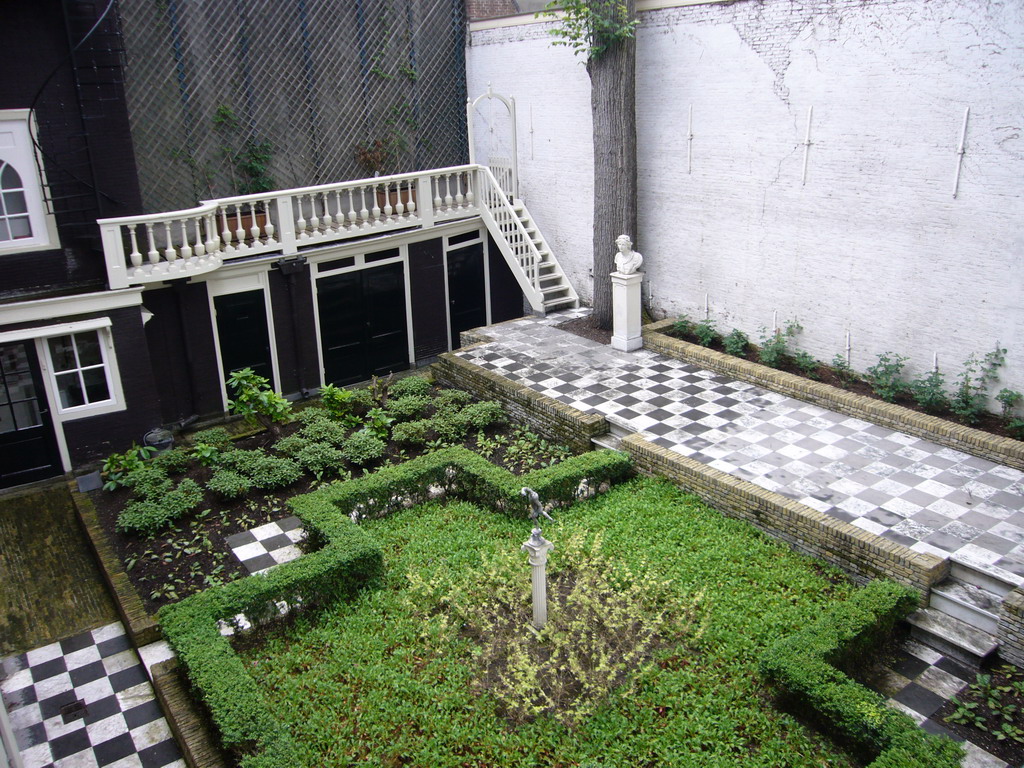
{"points": [[909, 490], [86, 701], [265, 546]]}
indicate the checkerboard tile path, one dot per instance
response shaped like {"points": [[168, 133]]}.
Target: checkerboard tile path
{"points": [[261, 548], [86, 701], [919, 681], [909, 490]]}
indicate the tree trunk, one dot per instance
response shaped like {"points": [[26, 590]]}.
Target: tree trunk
{"points": [[613, 108]]}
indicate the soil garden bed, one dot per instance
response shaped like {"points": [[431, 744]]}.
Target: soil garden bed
{"points": [[190, 553], [990, 713], [888, 386]]}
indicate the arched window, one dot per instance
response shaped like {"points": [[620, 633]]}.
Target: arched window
{"points": [[14, 216]]}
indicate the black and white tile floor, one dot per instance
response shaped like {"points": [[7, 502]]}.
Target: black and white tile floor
{"points": [[909, 490], [84, 702], [919, 681], [265, 546]]}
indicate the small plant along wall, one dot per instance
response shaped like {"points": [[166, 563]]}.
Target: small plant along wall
{"points": [[964, 399], [990, 713], [168, 514]]}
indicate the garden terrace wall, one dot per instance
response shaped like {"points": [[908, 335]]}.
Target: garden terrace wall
{"points": [[1002, 450], [552, 419], [141, 626], [864, 555], [1011, 627]]}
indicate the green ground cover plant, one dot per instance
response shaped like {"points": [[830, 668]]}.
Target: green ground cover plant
{"points": [[394, 677]]}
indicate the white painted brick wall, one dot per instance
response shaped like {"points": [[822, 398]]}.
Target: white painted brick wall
{"points": [[874, 243]]}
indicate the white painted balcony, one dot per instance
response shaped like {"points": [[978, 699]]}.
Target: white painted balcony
{"points": [[177, 244], [164, 246]]}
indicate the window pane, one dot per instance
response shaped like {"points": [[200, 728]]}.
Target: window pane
{"points": [[95, 385], [20, 227], [9, 178], [5, 233], [20, 386], [14, 202], [6, 419], [62, 353], [70, 389], [88, 344], [3, 394], [26, 415], [13, 359]]}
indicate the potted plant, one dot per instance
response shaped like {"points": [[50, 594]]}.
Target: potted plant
{"points": [[378, 157], [248, 167]]}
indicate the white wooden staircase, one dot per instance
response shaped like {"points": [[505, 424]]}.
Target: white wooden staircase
{"points": [[525, 251]]}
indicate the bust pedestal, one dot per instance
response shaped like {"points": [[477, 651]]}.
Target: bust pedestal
{"points": [[626, 311]]}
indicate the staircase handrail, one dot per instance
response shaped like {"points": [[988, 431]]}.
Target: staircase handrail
{"points": [[494, 199]]}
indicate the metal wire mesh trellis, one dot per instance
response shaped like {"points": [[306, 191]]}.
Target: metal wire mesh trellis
{"points": [[229, 97]]}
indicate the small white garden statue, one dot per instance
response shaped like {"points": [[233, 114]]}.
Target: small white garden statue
{"points": [[537, 547], [627, 261]]}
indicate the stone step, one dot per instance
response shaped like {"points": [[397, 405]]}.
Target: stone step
{"points": [[607, 440], [951, 637], [969, 603], [986, 581]]}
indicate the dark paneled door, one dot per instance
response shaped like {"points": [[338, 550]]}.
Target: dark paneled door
{"points": [[467, 299], [28, 444], [243, 333], [363, 330]]}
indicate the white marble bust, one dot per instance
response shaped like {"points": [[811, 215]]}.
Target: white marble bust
{"points": [[627, 261]]}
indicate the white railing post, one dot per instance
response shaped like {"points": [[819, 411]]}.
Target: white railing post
{"points": [[425, 201], [286, 222], [113, 249]]}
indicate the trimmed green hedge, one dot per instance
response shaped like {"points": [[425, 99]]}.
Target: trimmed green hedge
{"points": [[349, 560], [235, 703], [807, 667]]}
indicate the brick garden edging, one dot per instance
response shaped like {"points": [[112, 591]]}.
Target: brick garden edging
{"points": [[1002, 450], [191, 728], [553, 419], [141, 626], [863, 555]]}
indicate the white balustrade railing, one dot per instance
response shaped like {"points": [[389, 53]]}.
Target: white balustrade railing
{"points": [[141, 249]]}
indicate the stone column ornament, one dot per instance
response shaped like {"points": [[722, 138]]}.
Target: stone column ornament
{"points": [[626, 296], [538, 547]]}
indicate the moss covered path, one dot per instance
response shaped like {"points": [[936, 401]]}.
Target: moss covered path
{"points": [[50, 586]]}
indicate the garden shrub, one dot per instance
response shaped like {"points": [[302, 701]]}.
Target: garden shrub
{"points": [[807, 668], [449, 427], [362, 448], [410, 385], [337, 402], [451, 400], [229, 484], [148, 482], [408, 407], [312, 414], [291, 445], [482, 415], [215, 436], [147, 517], [362, 400], [266, 472], [413, 432], [324, 432], [318, 458], [735, 343], [886, 376], [174, 461], [254, 400]]}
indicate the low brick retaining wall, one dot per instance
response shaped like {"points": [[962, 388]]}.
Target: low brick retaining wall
{"points": [[553, 419], [863, 555], [1011, 628], [191, 728], [1002, 450], [141, 627]]}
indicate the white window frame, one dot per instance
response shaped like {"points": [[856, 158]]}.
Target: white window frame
{"points": [[18, 148], [115, 401]]}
